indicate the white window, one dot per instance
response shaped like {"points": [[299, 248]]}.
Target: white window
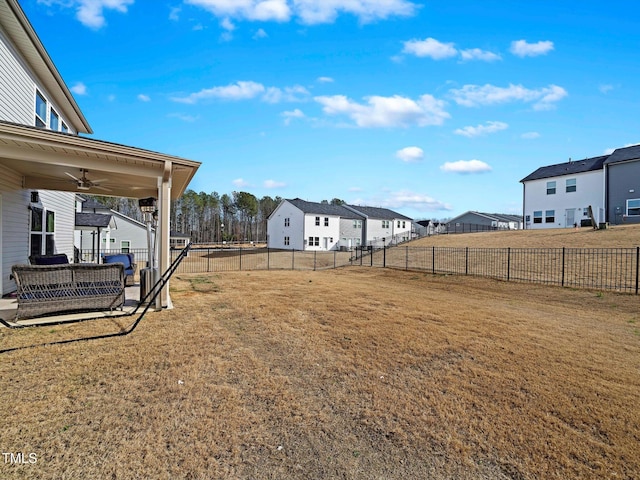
{"points": [[404, 224], [41, 110], [64, 128], [385, 223], [570, 185], [633, 207], [287, 221], [326, 221], [286, 240], [55, 120], [551, 188], [125, 246], [537, 216], [398, 223], [317, 221], [549, 216], [357, 224]]}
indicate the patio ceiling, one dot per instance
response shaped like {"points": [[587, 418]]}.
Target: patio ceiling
{"points": [[46, 160]]}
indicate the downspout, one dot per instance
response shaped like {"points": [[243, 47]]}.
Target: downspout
{"points": [[524, 207]]}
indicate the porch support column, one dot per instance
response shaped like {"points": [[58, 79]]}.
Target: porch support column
{"points": [[164, 215]]}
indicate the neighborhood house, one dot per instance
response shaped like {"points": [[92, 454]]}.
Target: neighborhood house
{"points": [[604, 189], [300, 225]]}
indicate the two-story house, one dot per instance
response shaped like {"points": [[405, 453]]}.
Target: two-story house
{"points": [[45, 161], [300, 225], [560, 195]]}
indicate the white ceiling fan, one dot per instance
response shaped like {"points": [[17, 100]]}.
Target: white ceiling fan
{"points": [[83, 183]]}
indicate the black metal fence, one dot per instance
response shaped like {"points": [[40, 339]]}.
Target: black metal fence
{"points": [[228, 259], [615, 269]]}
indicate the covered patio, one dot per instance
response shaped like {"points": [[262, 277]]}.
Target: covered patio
{"points": [[49, 160]]}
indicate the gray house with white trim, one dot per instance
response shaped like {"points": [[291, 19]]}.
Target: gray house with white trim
{"points": [[622, 185]]}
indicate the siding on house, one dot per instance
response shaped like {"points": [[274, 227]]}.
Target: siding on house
{"points": [[544, 209], [18, 91], [622, 173], [63, 205], [17, 95], [278, 229], [15, 226]]}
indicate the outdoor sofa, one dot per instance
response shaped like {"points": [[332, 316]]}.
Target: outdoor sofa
{"points": [[46, 289]]}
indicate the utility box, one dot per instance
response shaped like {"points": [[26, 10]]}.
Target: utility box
{"points": [[148, 278]]}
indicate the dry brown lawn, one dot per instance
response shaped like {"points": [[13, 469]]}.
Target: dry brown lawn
{"points": [[354, 373]]}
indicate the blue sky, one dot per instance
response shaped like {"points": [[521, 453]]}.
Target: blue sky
{"points": [[431, 108]]}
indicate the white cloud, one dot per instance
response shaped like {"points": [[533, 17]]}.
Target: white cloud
{"points": [[247, 90], [476, 95], [297, 93], [325, 11], [238, 91], [288, 116], [183, 117], [325, 80], [309, 12], [174, 14], [521, 48], [393, 111], [410, 154], [407, 199], [144, 98], [241, 183], [489, 127], [477, 54], [430, 47], [530, 135], [273, 184], [260, 34], [255, 10], [79, 88], [465, 166], [227, 25], [91, 12], [605, 88]]}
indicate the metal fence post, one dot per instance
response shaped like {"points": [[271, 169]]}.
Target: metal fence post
{"points": [[315, 256], [384, 256], [508, 264], [241, 258], [208, 259], [268, 259], [466, 261], [293, 259], [563, 251], [433, 260], [637, 266], [406, 257]]}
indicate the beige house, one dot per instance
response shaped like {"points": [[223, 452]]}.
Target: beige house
{"points": [[44, 161]]}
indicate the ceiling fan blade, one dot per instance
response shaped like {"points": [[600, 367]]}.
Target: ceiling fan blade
{"points": [[96, 182], [75, 178], [102, 188]]}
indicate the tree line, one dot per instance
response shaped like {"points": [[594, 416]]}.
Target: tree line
{"points": [[211, 217]]}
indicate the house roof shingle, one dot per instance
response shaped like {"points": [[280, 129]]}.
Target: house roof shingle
{"points": [[96, 220], [624, 154], [324, 209], [379, 213], [567, 168]]}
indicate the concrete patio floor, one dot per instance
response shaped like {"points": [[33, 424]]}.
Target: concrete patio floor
{"points": [[9, 307]]}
